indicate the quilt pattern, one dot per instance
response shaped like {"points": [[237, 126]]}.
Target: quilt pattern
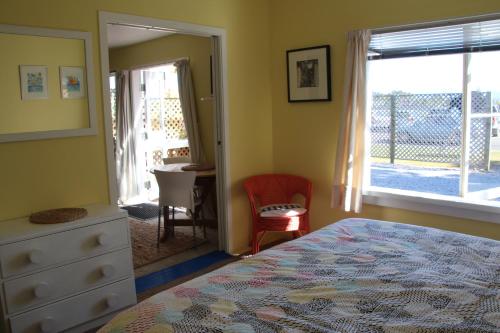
{"points": [[356, 275]]}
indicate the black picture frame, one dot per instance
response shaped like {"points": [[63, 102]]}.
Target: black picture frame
{"points": [[309, 74]]}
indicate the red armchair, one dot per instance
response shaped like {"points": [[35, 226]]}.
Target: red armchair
{"points": [[277, 191]]}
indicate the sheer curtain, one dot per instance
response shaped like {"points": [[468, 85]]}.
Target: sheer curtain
{"points": [[188, 105], [349, 164], [126, 150]]}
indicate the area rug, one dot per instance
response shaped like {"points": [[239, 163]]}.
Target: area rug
{"points": [[143, 211], [144, 248]]}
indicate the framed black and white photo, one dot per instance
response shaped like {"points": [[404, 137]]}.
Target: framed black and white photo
{"points": [[308, 74]]}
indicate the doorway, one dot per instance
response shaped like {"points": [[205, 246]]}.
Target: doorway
{"points": [[164, 117]]}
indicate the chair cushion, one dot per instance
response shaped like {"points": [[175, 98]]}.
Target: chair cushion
{"points": [[281, 210]]}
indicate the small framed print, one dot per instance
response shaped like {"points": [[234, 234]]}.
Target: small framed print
{"points": [[34, 83], [72, 82], [308, 74]]}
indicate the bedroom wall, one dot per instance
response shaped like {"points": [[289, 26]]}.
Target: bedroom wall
{"points": [[172, 47], [52, 173], [305, 134]]}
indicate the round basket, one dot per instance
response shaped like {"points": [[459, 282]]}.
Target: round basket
{"points": [[59, 215], [198, 167]]}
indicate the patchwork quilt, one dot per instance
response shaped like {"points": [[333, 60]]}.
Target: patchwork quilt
{"points": [[356, 275]]}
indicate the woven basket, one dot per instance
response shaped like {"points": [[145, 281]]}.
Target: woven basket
{"points": [[59, 215]]}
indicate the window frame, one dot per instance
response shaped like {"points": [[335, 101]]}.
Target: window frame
{"points": [[455, 206]]}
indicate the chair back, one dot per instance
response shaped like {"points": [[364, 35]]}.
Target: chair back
{"points": [[176, 188], [173, 160], [277, 188]]}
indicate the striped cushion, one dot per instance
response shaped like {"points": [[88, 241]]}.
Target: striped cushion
{"points": [[281, 210]]}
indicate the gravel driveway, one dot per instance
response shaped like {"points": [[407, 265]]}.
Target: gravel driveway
{"points": [[432, 180]]}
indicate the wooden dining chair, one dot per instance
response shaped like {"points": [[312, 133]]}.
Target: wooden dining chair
{"points": [[274, 205], [177, 190]]}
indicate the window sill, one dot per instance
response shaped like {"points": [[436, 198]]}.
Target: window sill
{"points": [[433, 203]]}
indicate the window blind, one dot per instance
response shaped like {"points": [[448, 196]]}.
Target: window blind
{"points": [[477, 36]]}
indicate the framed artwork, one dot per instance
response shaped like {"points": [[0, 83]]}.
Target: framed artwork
{"points": [[72, 82], [34, 83], [308, 74]]}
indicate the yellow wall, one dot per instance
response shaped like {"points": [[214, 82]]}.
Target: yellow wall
{"points": [[305, 134], [54, 112], [51, 173], [156, 51]]}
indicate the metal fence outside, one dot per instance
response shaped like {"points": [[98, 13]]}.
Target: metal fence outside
{"points": [[428, 128]]}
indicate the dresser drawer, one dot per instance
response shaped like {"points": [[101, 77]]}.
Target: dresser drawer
{"points": [[73, 311], [40, 288], [35, 254]]}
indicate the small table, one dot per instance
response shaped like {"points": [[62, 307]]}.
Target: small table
{"points": [[177, 167], [204, 179]]}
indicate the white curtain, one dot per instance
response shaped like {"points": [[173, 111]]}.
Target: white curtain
{"points": [[126, 152], [188, 105], [349, 164]]}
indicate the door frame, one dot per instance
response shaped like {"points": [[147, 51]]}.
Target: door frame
{"points": [[220, 102]]}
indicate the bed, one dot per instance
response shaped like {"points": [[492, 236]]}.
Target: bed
{"points": [[356, 275]]}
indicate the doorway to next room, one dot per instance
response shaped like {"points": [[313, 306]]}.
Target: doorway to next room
{"points": [[163, 129]]}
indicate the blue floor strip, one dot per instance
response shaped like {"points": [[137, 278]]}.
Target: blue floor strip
{"points": [[171, 273]]}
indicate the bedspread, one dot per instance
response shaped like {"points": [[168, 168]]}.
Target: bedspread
{"points": [[356, 275]]}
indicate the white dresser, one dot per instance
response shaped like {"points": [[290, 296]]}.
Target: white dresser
{"points": [[70, 276]]}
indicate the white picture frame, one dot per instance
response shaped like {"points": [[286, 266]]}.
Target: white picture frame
{"points": [[72, 81], [34, 84], [86, 37]]}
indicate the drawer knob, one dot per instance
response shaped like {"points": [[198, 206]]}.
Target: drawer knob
{"points": [[42, 290], [35, 256], [112, 301], [47, 325], [103, 239], [107, 271]]}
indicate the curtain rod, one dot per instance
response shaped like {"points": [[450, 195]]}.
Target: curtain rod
{"points": [[158, 63], [439, 23], [147, 27]]}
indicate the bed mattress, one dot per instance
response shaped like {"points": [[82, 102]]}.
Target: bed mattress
{"points": [[356, 275]]}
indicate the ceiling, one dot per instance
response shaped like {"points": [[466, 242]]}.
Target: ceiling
{"points": [[121, 35]]}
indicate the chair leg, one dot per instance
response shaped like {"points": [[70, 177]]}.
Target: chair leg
{"points": [[255, 242], [173, 221], [166, 227], [159, 228], [193, 217], [204, 223]]}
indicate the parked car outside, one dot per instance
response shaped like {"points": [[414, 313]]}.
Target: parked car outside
{"points": [[439, 126]]}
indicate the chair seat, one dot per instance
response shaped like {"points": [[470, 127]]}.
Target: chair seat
{"points": [[282, 210]]}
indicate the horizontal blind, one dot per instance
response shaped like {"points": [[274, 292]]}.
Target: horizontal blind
{"points": [[446, 39]]}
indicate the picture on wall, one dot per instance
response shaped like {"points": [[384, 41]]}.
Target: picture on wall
{"points": [[308, 74], [33, 82], [72, 82]]}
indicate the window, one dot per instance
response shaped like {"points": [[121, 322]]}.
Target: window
{"points": [[435, 101], [112, 94]]}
